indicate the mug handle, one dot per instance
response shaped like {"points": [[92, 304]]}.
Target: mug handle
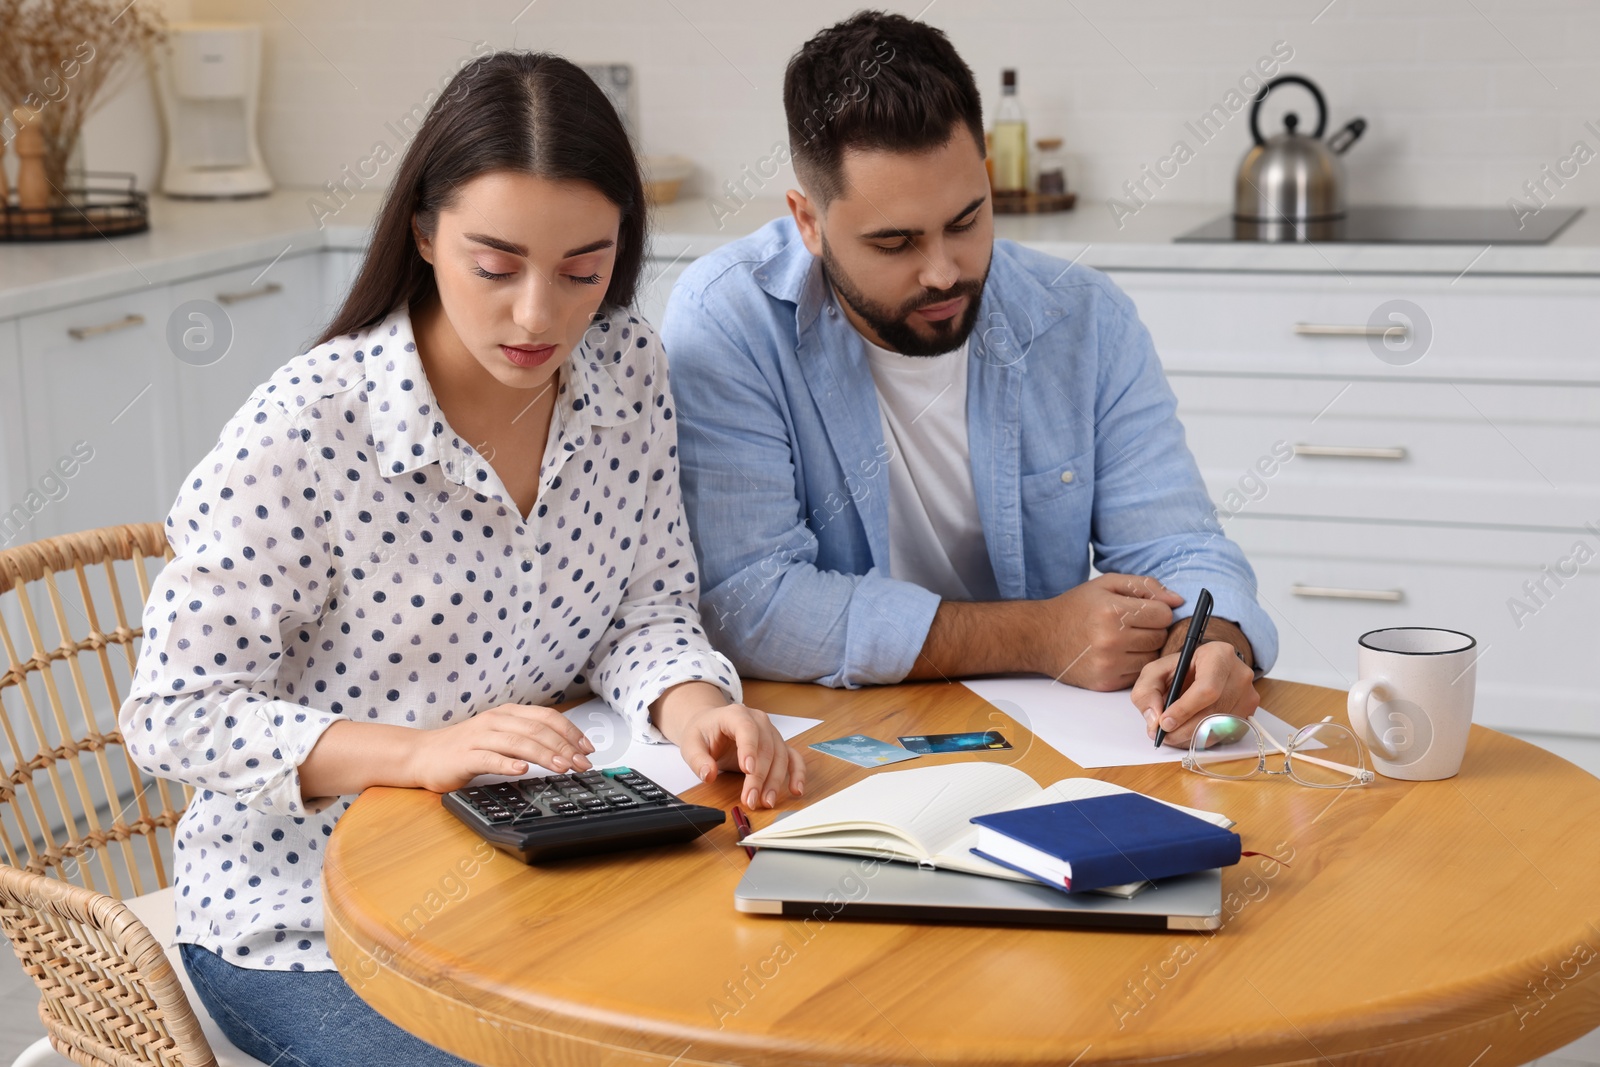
{"points": [[1356, 708]]}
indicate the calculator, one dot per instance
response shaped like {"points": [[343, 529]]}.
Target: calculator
{"points": [[579, 813]]}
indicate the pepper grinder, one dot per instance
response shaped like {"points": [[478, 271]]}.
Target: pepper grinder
{"points": [[33, 187]]}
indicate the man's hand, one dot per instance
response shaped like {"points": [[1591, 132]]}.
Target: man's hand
{"points": [[1219, 683], [714, 735], [1101, 634]]}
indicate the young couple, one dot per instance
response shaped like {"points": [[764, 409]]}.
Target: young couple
{"points": [[902, 444]]}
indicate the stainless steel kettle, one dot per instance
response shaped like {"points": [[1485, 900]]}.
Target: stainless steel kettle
{"points": [[1290, 177]]}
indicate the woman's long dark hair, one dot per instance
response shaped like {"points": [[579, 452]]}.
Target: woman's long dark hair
{"points": [[530, 112]]}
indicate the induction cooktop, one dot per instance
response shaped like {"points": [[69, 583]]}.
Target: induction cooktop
{"points": [[1400, 225]]}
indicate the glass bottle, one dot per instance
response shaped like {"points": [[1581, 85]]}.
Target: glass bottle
{"points": [[1010, 140]]}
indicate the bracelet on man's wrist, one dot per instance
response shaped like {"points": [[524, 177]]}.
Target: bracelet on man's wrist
{"points": [[1255, 672]]}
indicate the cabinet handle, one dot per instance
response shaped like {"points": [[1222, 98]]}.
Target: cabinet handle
{"points": [[83, 333], [1398, 332], [1350, 451], [249, 294], [1326, 592]]}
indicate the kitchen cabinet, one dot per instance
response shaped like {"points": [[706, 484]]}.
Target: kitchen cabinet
{"points": [[1451, 485], [1326, 582], [1456, 328], [339, 266], [16, 517], [1399, 450], [100, 401], [147, 406], [269, 315]]}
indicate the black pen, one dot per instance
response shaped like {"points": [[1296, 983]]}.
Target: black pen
{"points": [[1191, 641]]}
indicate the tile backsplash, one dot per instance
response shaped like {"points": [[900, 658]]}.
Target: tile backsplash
{"points": [[1466, 100]]}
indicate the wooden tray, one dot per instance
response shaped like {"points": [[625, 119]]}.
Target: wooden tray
{"points": [[105, 205], [1033, 203]]}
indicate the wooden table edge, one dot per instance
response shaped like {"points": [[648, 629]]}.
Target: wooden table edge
{"points": [[400, 995], [406, 1000]]}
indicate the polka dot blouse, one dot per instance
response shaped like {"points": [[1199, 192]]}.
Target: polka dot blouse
{"points": [[343, 553]]}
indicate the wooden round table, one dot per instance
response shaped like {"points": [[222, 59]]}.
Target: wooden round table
{"points": [[1453, 922]]}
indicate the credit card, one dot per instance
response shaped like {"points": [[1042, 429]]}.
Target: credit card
{"points": [[977, 741], [863, 751]]}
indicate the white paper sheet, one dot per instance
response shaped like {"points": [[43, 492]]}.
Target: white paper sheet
{"points": [[614, 746], [1094, 729]]}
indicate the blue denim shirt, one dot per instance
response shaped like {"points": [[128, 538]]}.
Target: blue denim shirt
{"points": [[1072, 430]]}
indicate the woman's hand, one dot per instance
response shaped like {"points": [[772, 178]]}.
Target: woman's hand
{"points": [[502, 740], [714, 735], [736, 738]]}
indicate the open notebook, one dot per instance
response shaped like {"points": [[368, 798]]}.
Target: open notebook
{"points": [[921, 816]]}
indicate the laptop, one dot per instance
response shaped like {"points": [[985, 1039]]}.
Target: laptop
{"points": [[825, 885]]}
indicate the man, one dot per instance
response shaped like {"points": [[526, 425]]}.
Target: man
{"points": [[902, 441]]}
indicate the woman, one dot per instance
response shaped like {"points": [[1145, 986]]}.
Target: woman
{"points": [[460, 507]]}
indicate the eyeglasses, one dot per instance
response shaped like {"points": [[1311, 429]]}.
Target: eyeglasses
{"points": [[1324, 754]]}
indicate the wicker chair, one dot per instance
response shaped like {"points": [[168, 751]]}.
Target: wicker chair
{"points": [[87, 837]]}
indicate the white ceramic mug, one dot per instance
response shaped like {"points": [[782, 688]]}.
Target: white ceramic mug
{"points": [[1412, 707]]}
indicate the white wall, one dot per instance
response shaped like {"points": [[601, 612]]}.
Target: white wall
{"points": [[124, 132], [1466, 101]]}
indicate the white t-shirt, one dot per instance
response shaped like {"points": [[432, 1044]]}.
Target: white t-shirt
{"points": [[935, 534]]}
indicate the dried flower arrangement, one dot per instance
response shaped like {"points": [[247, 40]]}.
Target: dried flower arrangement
{"points": [[60, 59]]}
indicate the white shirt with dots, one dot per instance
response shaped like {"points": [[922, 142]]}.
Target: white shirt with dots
{"points": [[343, 553]]}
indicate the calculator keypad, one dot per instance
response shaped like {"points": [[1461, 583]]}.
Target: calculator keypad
{"points": [[564, 796], [580, 813]]}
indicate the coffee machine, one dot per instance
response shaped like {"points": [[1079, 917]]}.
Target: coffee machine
{"points": [[209, 83]]}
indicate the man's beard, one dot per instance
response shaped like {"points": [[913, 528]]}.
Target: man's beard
{"points": [[893, 326]]}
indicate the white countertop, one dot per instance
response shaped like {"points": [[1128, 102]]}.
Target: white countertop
{"points": [[193, 238], [186, 239]]}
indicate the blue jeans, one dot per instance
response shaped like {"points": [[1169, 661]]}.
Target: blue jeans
{"points": [[302, 1018]]}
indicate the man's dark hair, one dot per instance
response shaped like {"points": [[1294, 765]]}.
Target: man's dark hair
{"points": [[874, 81]]}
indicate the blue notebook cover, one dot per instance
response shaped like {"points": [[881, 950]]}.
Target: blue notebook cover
{"points": [[1110, 840]]}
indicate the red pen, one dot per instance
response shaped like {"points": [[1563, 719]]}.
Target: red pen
{"points": [[743, 827]]}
